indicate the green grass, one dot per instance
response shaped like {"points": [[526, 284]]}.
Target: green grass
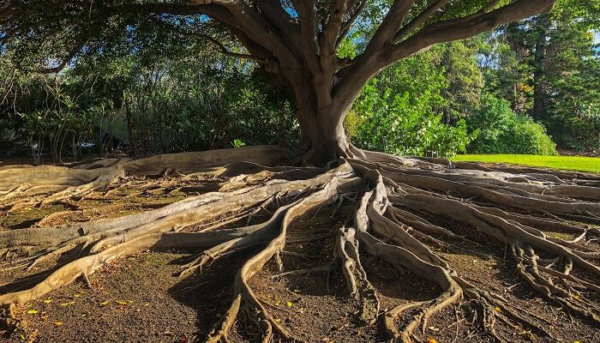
{"points": [[585, 164]]}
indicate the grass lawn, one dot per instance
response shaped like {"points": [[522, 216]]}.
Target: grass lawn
{"points": [[586, 164]]}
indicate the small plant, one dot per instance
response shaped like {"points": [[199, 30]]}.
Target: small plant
{"points": [[238, 143]]}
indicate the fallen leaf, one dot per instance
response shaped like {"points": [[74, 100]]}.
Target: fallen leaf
{"points": [[64, 304], [58, 323], [32, 311], [47, 301], [433, 328], [76, 295], [121, 302], [289, 304], [498, 309], [104, 303], [431, 340]]}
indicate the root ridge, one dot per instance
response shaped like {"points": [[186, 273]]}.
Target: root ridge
{"points": [[411, 213]]}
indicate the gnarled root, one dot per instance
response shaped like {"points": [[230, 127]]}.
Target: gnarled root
{"points": [[411, 212]]}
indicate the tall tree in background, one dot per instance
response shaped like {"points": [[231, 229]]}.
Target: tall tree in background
{"points": [[553, 67]]}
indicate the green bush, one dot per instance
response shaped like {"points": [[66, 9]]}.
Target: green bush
{"points": [[164, 106], [399, 112], [501, 131]]}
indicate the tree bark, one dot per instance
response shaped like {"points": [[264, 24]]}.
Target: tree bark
{"points": [[323, 135], [321, 115], [542, 25]]}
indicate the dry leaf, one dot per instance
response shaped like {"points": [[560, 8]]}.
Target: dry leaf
{"points": [[58, 323], [32, 311]]}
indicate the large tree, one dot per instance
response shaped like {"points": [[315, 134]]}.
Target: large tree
{"points": [[407, 210], [295, 41]]}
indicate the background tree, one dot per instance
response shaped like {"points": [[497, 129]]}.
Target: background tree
{"points": [[552, 69]]}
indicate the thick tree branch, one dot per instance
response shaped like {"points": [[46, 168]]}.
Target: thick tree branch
{"points": [[333, 27], [390, 25], [274, 13], [347, 25], [419, 20], [450, 30], [307, 17]]}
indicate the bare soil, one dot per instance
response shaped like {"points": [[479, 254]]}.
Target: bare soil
{"points": [[139, 298]]}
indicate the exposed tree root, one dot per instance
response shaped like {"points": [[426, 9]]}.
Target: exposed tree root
{"points": [[404, 203], [58, 183]]}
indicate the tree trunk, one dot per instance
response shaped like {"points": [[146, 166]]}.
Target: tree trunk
{"points": [[321, 117], [542, 25], [323, 135], [321, 107]]}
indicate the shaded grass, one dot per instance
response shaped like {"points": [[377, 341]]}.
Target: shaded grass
{"points": [[586, 164]]}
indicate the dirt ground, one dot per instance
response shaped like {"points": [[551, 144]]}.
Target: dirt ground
{"points": [[140, 299]]}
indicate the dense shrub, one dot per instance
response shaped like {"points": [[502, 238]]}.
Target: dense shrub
{"points": [[575, 132], [400, 112], [143, 108], [500, 130]]}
